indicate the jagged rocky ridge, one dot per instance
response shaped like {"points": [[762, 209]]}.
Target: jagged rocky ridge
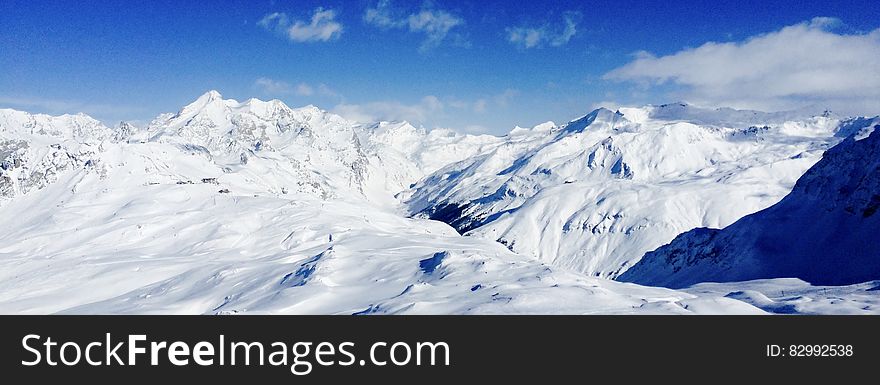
{"points": [[35, 149]]}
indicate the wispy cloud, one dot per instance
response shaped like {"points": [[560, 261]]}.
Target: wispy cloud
{"points": [[503, 99], [303, 89], [381, 16], [420, 112], [483, 104], [538, 36], [806, 63], [480, 105], [324, 90], [430, 110], [322, 26], [106, 112], [44, 104], [277, 21], [270, 86], [435, 24]]}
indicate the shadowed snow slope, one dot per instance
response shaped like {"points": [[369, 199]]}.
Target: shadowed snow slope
{"points": [[824, 231]]}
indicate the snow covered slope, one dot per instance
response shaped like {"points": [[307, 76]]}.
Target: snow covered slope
{"points": [[794, 296], [824, 231], [253, 207], [597, 193], [403, 154], [117, 248]]}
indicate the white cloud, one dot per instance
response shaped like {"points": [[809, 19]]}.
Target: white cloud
{"points": [[322, 26], [381, 16], [435, 24], [535, 37], [421, 112], [801, 64]]}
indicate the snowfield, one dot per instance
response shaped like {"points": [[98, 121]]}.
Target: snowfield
{"points": [[794, 296], [231, 207], [187, 249]]}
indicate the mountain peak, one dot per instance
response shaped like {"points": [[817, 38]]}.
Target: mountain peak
{"points": [[599, 115], [207, 98], [212, 95], [210, 98], [311, 108]]}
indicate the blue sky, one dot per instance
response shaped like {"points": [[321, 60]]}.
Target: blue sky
{"points": [[480, 66]]}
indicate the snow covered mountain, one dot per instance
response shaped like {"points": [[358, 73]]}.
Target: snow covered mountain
{"points": [[403, 154], [255, 207], [824, 231], [35, 149], [260, 147], [308, 149], [228, 207], [597, 193]]}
